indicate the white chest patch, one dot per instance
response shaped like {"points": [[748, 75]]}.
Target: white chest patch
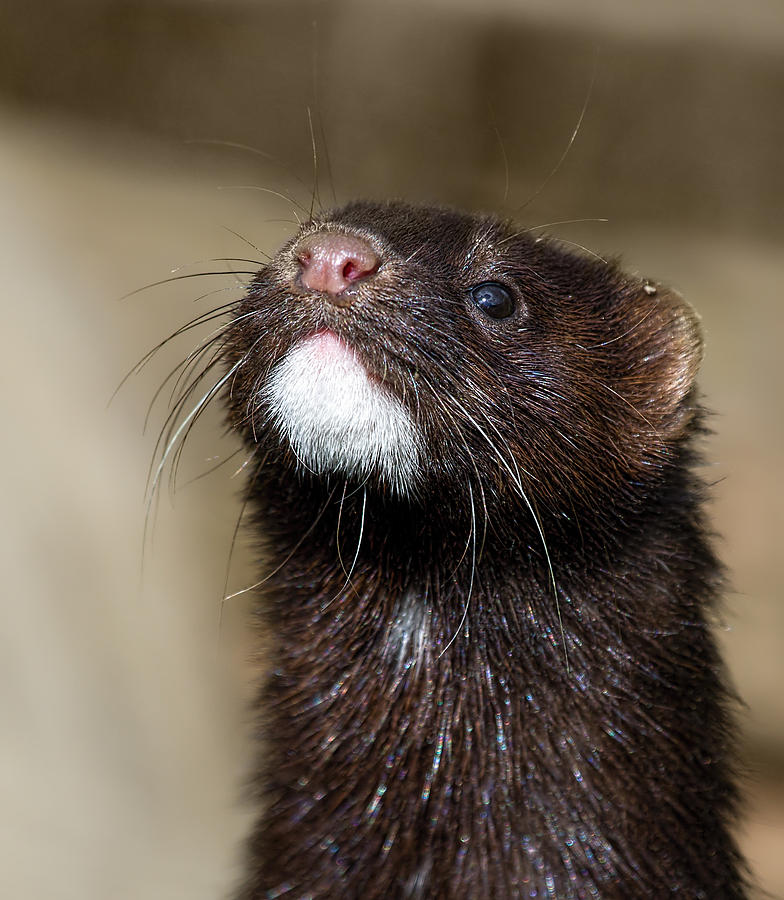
{"points": [[338, 419], [410, 631]]}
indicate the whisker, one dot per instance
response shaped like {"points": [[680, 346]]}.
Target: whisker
{"points": [[199, 320], [315, 198], [562, 222], [236, 145], [322, 134], [294, 549], [201, 262], [171, 418], [207, 472], [337, 529], [568, 147], [248, 241], [502, 148], [184, 424], [471, 581], [235, 534], [257, 187], [625, 333], [359, 539], [583, 247], [630, 405], [192, 359], [154, 284]]}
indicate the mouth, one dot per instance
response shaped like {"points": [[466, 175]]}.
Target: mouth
{"points": [[338, 418], [335, 355], [330, 353]]}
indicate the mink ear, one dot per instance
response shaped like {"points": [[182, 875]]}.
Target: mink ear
{"points": [[670, 345]]}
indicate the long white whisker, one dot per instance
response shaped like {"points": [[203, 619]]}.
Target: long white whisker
{"points": [[568, 147], [337, 528], [471, 582], [348, 574], [359, 539], [631, 406], [255, 187], [234, 542], [205, 399], [300, 542]]}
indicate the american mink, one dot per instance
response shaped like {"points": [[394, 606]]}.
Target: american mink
{"points": [[489, 585]]}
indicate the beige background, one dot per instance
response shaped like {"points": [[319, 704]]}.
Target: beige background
{"points": [[122, 726]]}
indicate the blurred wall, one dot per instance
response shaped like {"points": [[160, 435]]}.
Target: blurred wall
{"points": [[122, 738], [685, 116]]}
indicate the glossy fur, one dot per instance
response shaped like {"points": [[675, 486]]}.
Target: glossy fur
{"points": [[499, 681]]}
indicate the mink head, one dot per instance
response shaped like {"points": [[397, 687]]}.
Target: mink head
{"points": [[416, 350]]}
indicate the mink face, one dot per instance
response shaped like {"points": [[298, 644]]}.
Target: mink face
{"points": [[489, 585], [414, 387]]}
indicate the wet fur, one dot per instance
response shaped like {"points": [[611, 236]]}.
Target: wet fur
{"points": [[501, 681]]}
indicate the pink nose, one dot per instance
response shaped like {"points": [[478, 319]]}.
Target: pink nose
{"points": [[331, 261]]}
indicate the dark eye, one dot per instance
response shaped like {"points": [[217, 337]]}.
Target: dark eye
{"points": [[493, 299]]}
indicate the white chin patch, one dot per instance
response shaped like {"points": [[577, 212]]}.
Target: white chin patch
{"points": [[337, 419]]}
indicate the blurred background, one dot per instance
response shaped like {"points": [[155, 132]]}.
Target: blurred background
{"points": [[124, 128]]}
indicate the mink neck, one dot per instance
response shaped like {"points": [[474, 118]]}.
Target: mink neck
{"points": [[430, 579], [417, 682]]}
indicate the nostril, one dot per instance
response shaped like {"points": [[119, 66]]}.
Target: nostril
{"points": [[330, 262], [352, 271]]}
